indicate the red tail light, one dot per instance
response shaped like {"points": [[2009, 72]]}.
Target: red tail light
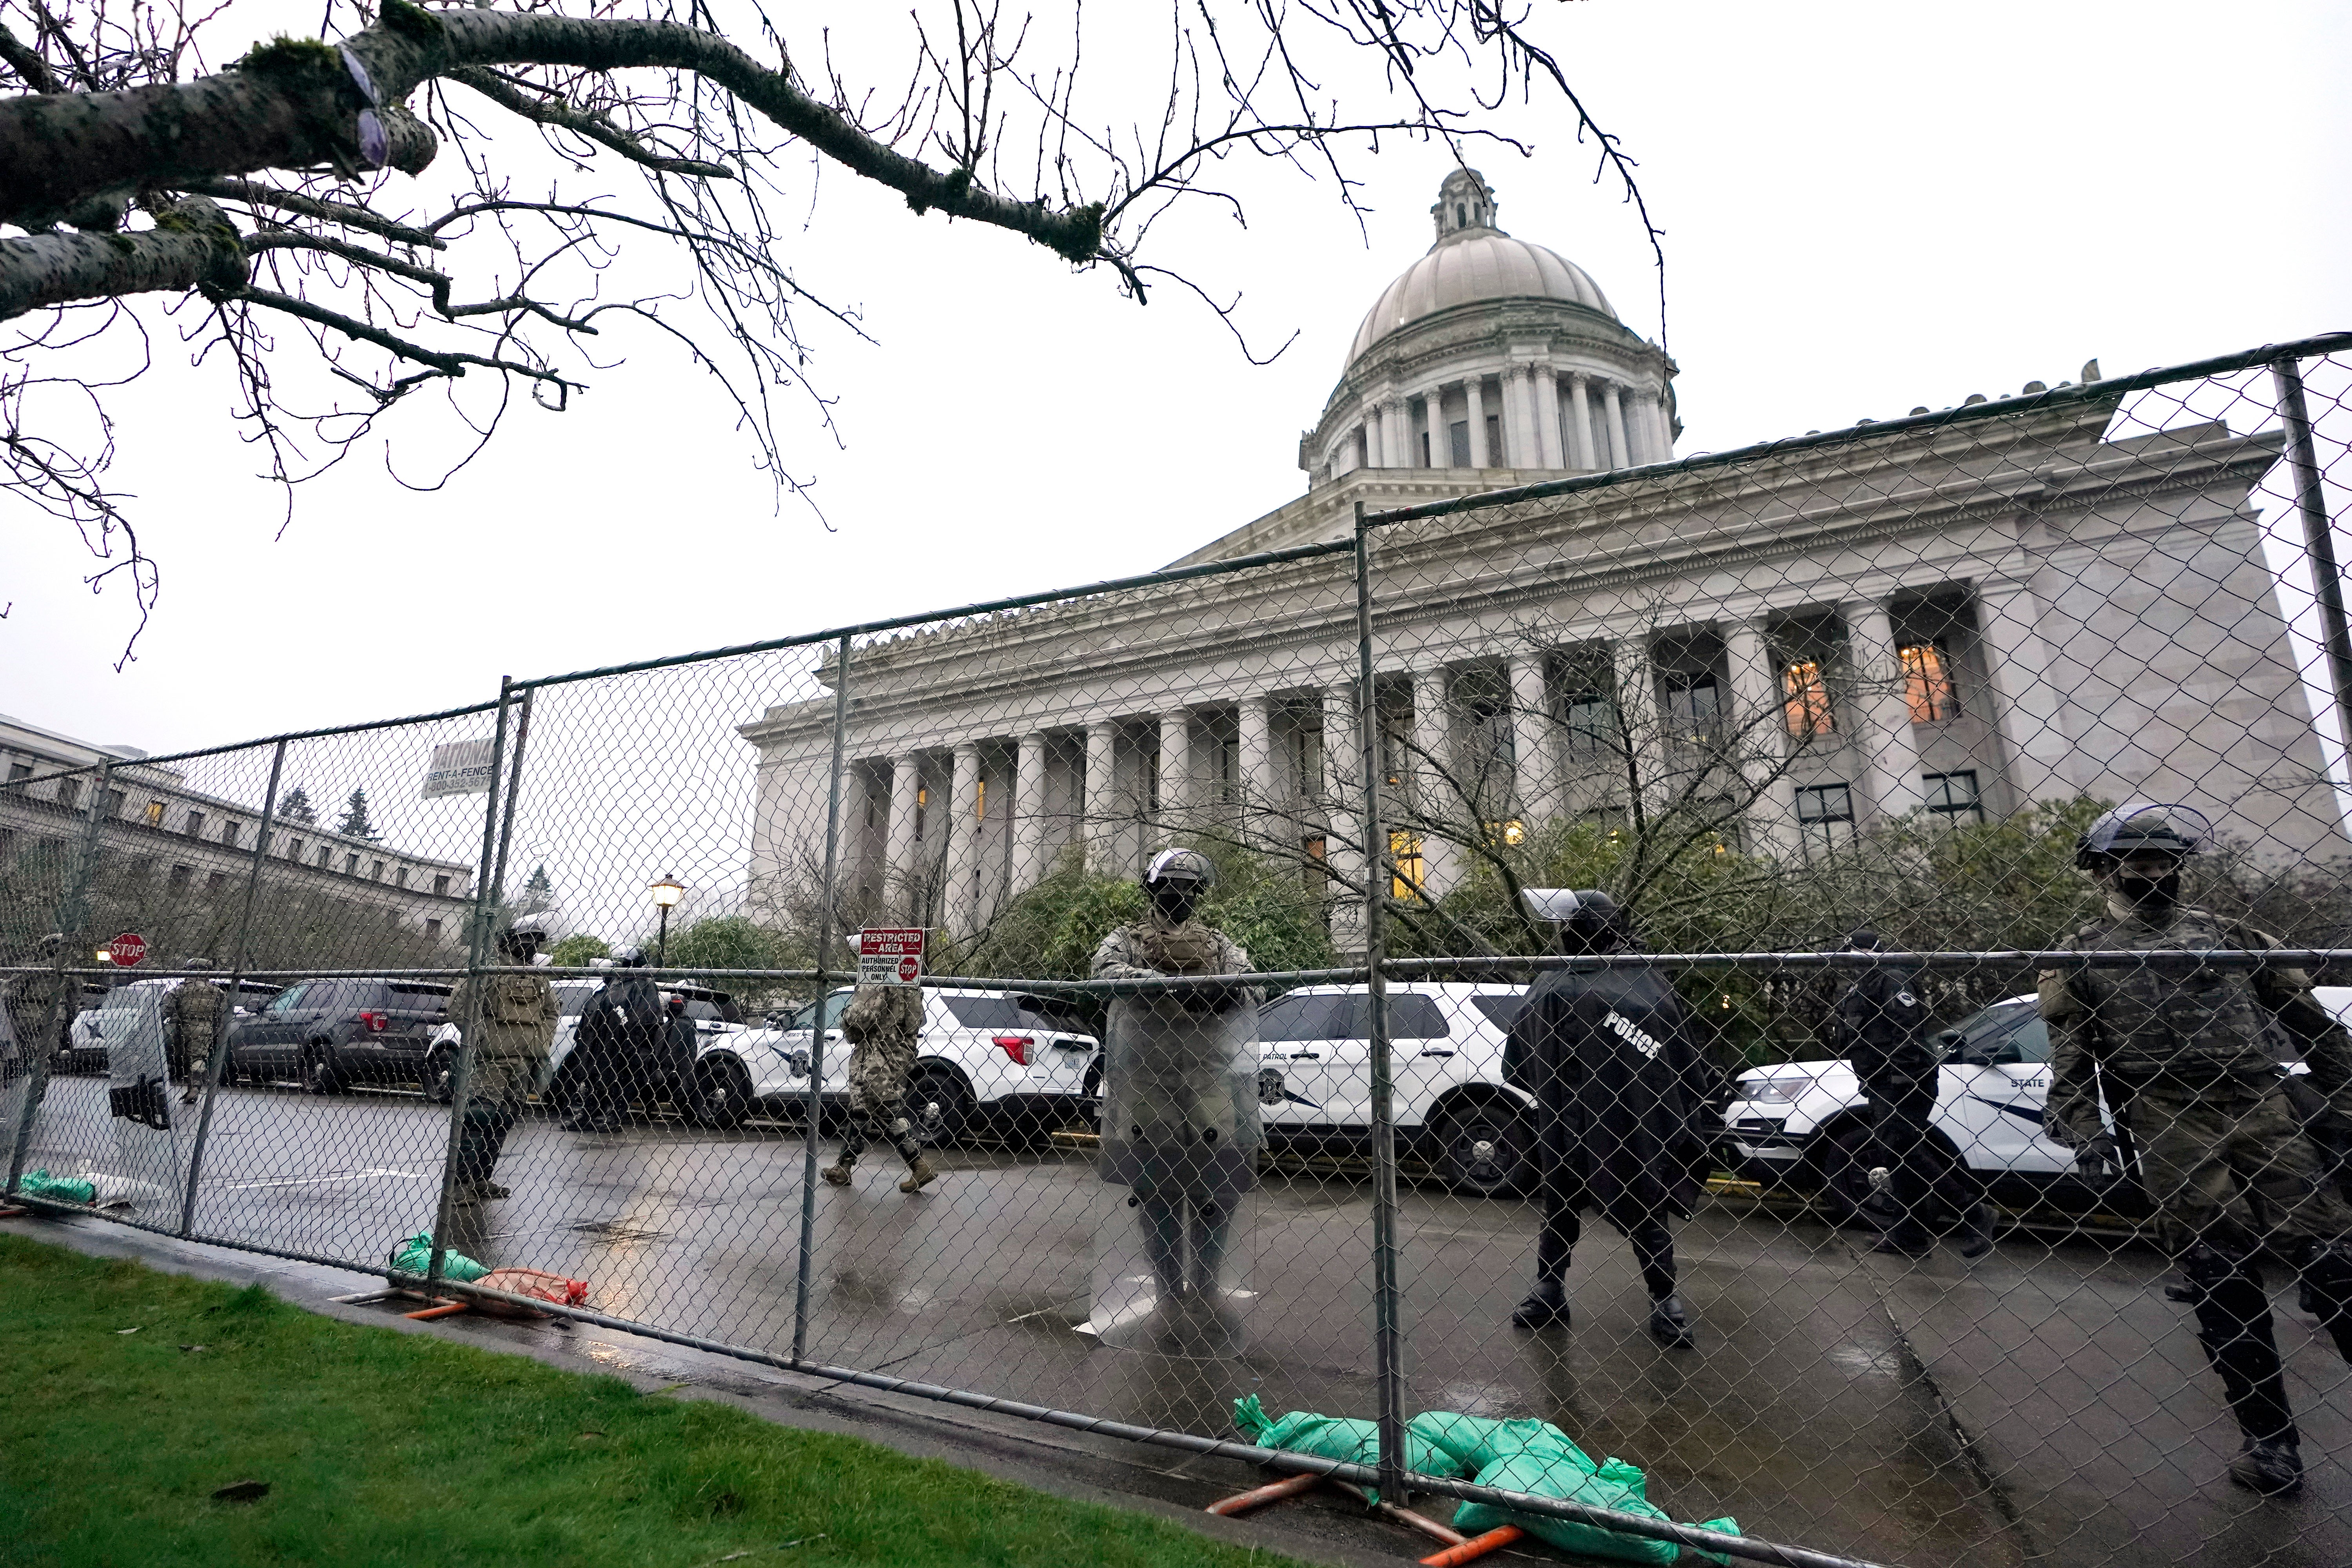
{"points": [[377, 1023], [1016, 1046]]}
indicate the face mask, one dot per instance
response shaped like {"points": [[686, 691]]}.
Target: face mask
{"points": [[1174, 902], [2150, 898]]}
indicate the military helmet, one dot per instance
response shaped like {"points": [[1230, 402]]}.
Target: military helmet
{"points": [[195, 963], [629, 956], [1587, 912], [1181, 866], [2139, 827], [535, 924]]}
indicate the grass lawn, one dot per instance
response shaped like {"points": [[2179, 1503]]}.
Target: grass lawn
{"points": [[386, 1448]]}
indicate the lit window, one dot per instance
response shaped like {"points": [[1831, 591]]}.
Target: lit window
{"points": [[1513, 833], [979, 797], [1404, 849], [154, 813], [1824, 815], [1954, 797], [1694, 708], [1805, 699], [1928, 684]]}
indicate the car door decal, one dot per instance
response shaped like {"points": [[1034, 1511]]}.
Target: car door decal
{"points": [[2023, 1113]]}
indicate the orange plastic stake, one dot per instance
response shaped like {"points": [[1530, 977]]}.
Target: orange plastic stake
{"points": [[439, 1309], [1241, 1502], [1477, 1546]]}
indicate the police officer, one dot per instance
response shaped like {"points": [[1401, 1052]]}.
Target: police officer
{"points": [[1180, 1122], [1622, 1095], [1881, 1023], [511, 1024], [2176, 1047], [199, 1013], [882, 1024], [618, 1034]]}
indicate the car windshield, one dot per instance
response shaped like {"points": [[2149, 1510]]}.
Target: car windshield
{"points": [[288, 1000], [835, 1006]]}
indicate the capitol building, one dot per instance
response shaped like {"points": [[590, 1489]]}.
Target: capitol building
{"points": [[1958, 620]]}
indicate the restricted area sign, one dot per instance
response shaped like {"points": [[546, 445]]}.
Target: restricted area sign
{"points": [[127, 949], [890, 956]]}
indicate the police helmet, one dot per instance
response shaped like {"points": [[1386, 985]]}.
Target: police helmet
{"points": [[536, 925], [630, 956], [1863, 941], [1173, 866], [1588, 913], [2141, 827]]}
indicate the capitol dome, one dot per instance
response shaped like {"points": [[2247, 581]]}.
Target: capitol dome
{"points": [[1491, 353], [1472, 265]]}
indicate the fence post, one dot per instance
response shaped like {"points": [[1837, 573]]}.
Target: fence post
{"points": [[73, 894], [1387, 1347], [238, 947], [514, 793], [816, 1016], [469, 1022], [2318, 538]]}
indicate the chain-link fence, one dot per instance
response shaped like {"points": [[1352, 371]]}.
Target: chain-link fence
{"points": [[1931, 1135]]}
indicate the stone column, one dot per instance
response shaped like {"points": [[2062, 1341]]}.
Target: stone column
{"points": [[1175, 763], [1519, 436], [1537, 763], [1544, 395], [1473, 397], [1343, 793], [1612, 419], [902, 854], [1761, 727], [1263, 801], [1432, 741], [1885, 754], [2029, 708], [1579, 424], [1396, 433], [1663, 424], [957, 818], [1099, 814], [1029, 814]]}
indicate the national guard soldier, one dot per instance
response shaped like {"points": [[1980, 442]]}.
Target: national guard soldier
{"points": [[35, 1001], [199, 1021], [1622, 1095], [1181, 1124], [1881, 1023], [882, 1024], [510, 1020], [2176, 1047]]}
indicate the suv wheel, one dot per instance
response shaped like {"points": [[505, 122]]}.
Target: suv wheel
{"points": [[939, 1106], [319, 1074], [437, 1077], [721, 1095], [1486, 1150], [1846, 1157]]}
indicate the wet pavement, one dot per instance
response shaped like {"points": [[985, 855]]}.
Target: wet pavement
{"points": [[2043, 1404]]}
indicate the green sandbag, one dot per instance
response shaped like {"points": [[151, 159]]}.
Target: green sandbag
{"points": [[1616, 1485], [414, 1255], [1474, 1442], [63, 1189], [1331, 1437]]}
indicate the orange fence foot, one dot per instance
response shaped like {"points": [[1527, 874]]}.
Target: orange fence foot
{"points": [[1476, 1547], [1241, 1502]]}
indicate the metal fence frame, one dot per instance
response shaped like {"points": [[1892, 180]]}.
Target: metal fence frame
{"points": [[511, 711]]}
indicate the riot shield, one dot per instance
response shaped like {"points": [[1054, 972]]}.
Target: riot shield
{"points": [[152, 1133], [1181, 1131]]}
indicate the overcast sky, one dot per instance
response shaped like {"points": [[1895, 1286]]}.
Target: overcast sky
{"points": [[1867, 208]]}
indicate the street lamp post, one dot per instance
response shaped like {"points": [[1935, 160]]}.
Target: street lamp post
{"points": [[666, 893]]}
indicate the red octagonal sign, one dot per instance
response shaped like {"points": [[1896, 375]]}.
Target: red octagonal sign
{"points": [[127, 949]]}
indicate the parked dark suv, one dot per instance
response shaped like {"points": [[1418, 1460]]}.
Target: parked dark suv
{"points": [[328, 1035]]}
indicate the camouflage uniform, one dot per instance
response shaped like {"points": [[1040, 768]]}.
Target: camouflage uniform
{"points": [[510, 1036], [2224, 1157], [198, 1010], [883, 1025]]}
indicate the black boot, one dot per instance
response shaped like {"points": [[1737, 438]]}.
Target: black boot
{"points": [[1546, 1305], [1670, 1325], [1907, 1239], [2233, 1324], [2327, 1293], [1974, 1236]]}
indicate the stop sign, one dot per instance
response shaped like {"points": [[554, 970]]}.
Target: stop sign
{"points": [[127, 949], [909, 969]]}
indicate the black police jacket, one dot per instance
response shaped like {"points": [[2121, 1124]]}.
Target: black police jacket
{"points": [[1622, 1092], [623, 1022], [1882, 1022]]}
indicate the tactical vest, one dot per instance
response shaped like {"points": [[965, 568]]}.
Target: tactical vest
{"points": [[514, 999], [2192, 1024]]}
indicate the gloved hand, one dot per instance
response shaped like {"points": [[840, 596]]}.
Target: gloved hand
{"points": [[2099, 1152]]}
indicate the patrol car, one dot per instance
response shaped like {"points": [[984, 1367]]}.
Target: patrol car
{"points": [[985, 1060], [1809, 1123]]}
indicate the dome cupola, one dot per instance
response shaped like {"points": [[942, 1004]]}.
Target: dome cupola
{"points": [[1493, 353]]}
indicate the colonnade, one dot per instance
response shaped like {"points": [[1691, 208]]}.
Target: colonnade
{"points": [[1545, 418], [1872, 752]]}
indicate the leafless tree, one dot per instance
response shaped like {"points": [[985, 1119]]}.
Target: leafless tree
{"points": [[256, 198]]}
